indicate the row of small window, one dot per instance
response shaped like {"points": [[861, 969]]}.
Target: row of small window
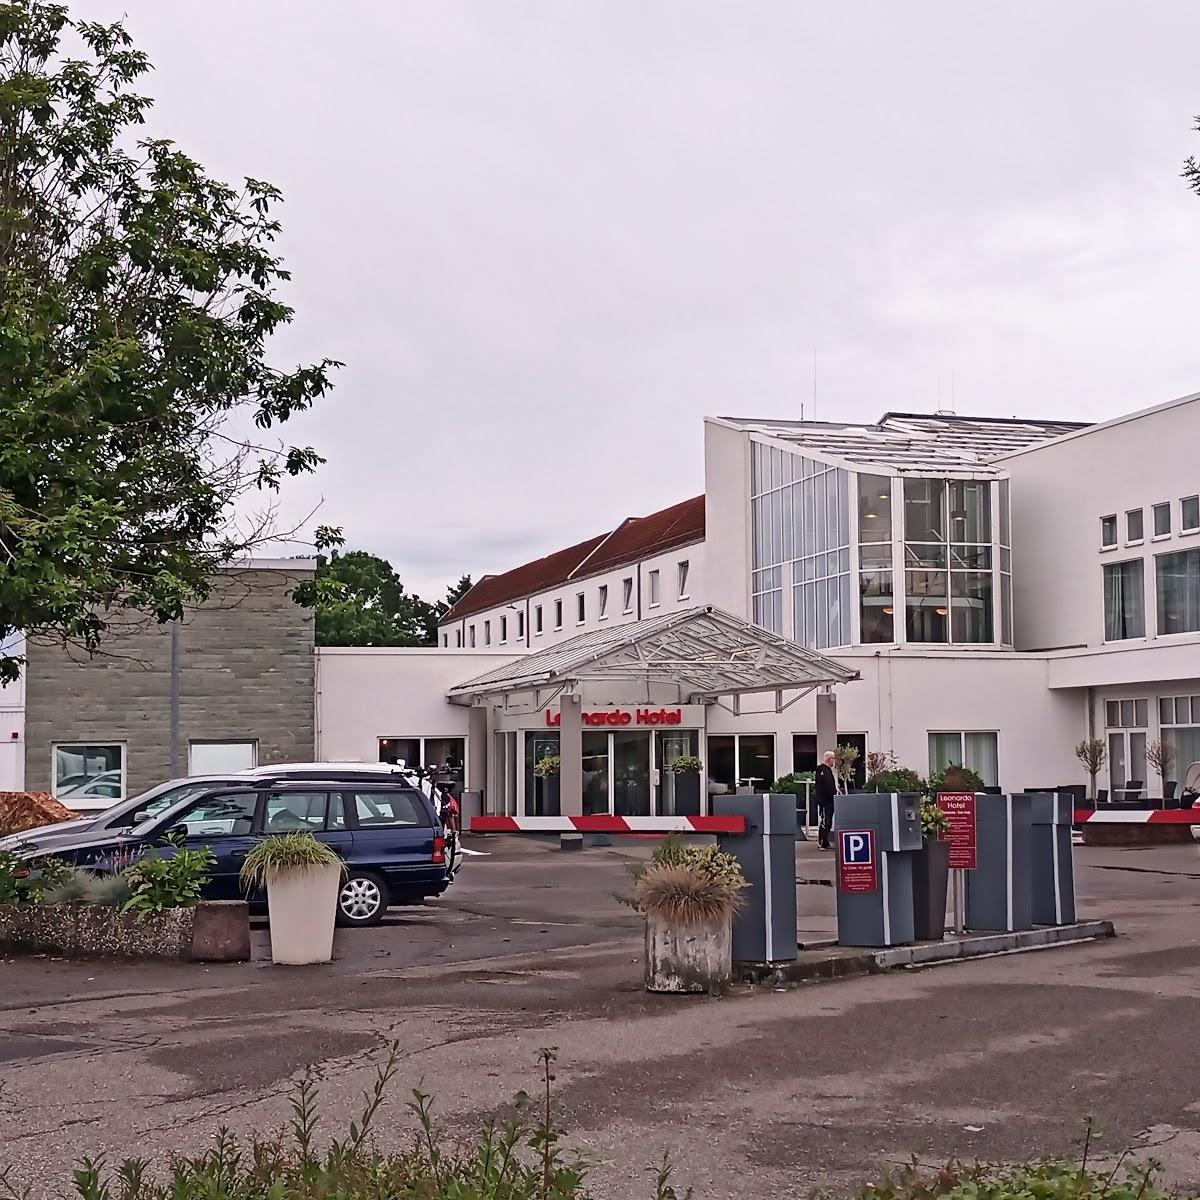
{"points": [[1160, 516], [653, 583], [93, 776], [1177, 595], [1134, 714]]}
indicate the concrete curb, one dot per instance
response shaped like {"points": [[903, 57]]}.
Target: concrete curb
{"points": [[830, 961]]}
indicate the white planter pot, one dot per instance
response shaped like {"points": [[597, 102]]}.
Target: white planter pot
{"points": [[695, 958], [303, 906]]}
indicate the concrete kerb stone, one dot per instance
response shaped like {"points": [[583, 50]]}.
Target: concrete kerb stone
{"points": [[827, 960]]}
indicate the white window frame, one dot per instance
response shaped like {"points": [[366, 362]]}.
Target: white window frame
{"points": [[1183, 526], [1116, 531], [539, 626], [1135, 541], [580, 608], [654, 584], [503, 629], [471, 637], [103, 801], [520, 623], [245, 741], [684, 568], [487, 633], [1155, 509], [627, 594], [961, 734], [602, 602], [558, 613]]}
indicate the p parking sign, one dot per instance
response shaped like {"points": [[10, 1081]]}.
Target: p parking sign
{"points": [[856, 861]]}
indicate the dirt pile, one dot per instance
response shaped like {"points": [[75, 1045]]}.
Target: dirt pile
{"points": [[20, 811]]}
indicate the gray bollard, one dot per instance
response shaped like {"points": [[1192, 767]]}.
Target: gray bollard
{"points": [[470, 804], [1000, 888], [765, 930], [1053, 858], [876, 835]]}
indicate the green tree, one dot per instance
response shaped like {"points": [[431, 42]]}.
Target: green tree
{"points": [[137, 297], [457, 592], [360, 601]]}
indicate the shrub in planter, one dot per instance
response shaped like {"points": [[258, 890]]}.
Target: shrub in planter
{"points": [[688, 896], [685, 778], [158, 881], [895, 779], [302, 877], [955, 778], [795, 784], [547, 770], [931, 874]]}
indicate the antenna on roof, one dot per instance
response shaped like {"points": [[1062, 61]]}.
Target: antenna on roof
{"points": [[814, 412]]}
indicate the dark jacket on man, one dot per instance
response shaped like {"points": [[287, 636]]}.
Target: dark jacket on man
{"points": [[825, 786]]}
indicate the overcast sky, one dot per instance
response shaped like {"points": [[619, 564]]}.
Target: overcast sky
{"points": [[547, 238]]}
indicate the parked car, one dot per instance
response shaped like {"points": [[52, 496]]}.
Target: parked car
{"points": [[127, 813], [388, 833]]}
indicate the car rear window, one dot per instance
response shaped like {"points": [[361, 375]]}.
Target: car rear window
{"points": [[376, 809], [288, 812]]}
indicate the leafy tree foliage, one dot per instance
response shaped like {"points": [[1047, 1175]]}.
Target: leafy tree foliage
{"points": [[360, 601], [458, 591], [137, 297]]}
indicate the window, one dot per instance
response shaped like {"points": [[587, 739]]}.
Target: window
{"points": [[91, 775], [654, 588], [1161, 514], [537, 619], [1126, 714], [1189, 514], [1005, 556], [458, 639], [877, 601], [1126, 722], [580, 608], [800, 514], [228, 814], [627, 595], [602, 601], [1177, 583], [503, 630], [471, 636], [376, 809], [558, 614], [217, 758], [440, 756], [1108, 531], [683, 580], [1179, 717], [1134, 525], [520, 624], [292, 812], [487, 633], [976, 751], [948, 561], [445, 640], [1124, 600], [739, 758]]}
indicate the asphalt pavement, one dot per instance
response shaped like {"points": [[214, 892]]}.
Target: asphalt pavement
{"points": [[759, 1094]]}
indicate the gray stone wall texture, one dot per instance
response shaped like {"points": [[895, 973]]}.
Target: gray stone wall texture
{"points": [[246, 673]]}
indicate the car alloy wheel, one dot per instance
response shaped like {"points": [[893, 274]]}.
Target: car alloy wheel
{"points": [[361, 900]]}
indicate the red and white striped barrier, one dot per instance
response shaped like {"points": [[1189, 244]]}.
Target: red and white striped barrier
{"points": [[1142, 816], [603, 823]]}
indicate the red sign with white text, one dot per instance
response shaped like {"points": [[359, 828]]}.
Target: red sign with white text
{"points": [[623, 716], [959, 808], [856, 861]]}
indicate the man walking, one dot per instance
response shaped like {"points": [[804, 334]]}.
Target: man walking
{"points": [[826, 789]]}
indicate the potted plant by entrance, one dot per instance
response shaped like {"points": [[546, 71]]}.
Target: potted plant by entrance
{"points": [[689, 896], [1091, 753], [546, 769], [931, 875], [302, 877], [686, 773]]}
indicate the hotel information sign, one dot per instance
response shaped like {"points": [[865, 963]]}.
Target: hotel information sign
{"points": [[959, 808]]}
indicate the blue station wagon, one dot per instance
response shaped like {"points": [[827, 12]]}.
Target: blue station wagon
{"points": [[388, 834]]}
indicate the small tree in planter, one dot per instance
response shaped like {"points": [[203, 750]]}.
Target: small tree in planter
{"points": [[955, 778], [844, 758], [685, 771], [1160, 756], [302, 877], [547, 770], [689, 896], [879, 761], [931, 874], [1092, 753]]}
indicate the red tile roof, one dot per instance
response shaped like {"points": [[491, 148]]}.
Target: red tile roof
{"points": [[634, 539]]}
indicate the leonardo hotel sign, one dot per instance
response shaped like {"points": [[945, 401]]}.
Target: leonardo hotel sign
{"points": [[625, 716]]}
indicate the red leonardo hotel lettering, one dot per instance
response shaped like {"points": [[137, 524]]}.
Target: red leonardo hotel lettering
{"points": [[622, 716]]}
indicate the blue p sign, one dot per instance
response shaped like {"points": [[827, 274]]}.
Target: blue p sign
{"points": [[856, 848]]}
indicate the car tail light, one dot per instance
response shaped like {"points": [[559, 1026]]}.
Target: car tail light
{"points": [[439, 849]]}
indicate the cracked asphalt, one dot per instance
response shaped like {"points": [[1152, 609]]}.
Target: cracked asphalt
{"points": [[759, 1094]]}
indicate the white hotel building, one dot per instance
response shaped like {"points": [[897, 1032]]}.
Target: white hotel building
{"points": [[1001, 587]]}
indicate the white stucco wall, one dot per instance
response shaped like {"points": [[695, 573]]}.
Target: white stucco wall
{"points": [[727, 517], [1059, 494]]}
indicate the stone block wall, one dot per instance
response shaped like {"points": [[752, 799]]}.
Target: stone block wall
{"points": [[246, 673]]}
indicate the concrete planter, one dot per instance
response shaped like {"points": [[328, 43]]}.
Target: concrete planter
{"points": [[209, 932], [688, 958], [303, 909], [687, 794], [551, 803]]}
